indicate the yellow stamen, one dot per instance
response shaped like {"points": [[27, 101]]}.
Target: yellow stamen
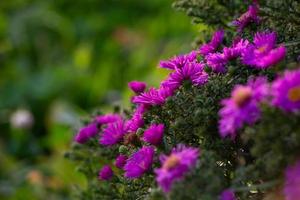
{"points": [[171, 162], [294, 94], [242, 95]]}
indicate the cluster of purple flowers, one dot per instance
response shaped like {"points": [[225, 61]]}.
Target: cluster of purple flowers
{"points": [[243, 107]]}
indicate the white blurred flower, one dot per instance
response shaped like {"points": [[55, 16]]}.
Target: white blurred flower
{"points": [[21, 119]]}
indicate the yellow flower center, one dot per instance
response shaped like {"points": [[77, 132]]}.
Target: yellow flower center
{"points": [[171, 162], [242, 95], [262, 49], [294, 94]]}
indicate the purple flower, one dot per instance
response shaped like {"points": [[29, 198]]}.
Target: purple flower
{"points": [[292, 182], [236, 49], [113, 133], [212, 46], [286, 91], [135, 122], [179, 61], [108, 118], [190, 71], [120, 161], [227, 195], [217, 62], [86, 133], [139, 163], [153, 96], [263, 52], [137, 86], [242, 107], [154, 134], [106, 173], [175, 166], [247, 17]]}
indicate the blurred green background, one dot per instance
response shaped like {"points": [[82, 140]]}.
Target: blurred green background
{"points": [[60, 60]]}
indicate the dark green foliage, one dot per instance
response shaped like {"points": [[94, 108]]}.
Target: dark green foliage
{"points": [[253, 163]]}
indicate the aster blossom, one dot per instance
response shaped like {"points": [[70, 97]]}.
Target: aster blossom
{"points": [[236, 49], [139, 163], [227, 195], [263, 53], [242, 107], [153, 96], [212, 46], [176, 166], [190, 71], [154, 134], [286, 91], [108, 118], [106, 173], [120, 161], [86, 133], [179, 61], [113, 133], [292, 182], [217, 62], [248, 17], [137, 86]]}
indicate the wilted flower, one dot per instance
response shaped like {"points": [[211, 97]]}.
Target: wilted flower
{"points": [[250, 16], [242, 107], [175, 166], [154, 134], [286, 91], [263, 53], [86, 133], [292, 182], [212, 46], [139, 163], [106, 173], [113, 133], [179, 61], [120, 161], [227, 195], [137, 86]]}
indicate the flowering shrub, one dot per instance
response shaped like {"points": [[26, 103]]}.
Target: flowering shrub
{"points": [[225, 123]]}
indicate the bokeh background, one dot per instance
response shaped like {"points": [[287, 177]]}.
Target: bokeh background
{"points": [[63, 59]]}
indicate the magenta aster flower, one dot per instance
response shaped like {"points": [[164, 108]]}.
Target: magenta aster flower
{"points": [[139, 163], [179, 61], [137, 86], [106, 173], [263, 53], [292, 182], [212, 46], [86, 133], [154, 134], [217, 62], [153, 96], [108, 118], [248, 17], [120, 161], [175, 166], [242, 107], [135, 122], [227, 195], [238, 46], [286, 91], [190, 71], [113, 133]]}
